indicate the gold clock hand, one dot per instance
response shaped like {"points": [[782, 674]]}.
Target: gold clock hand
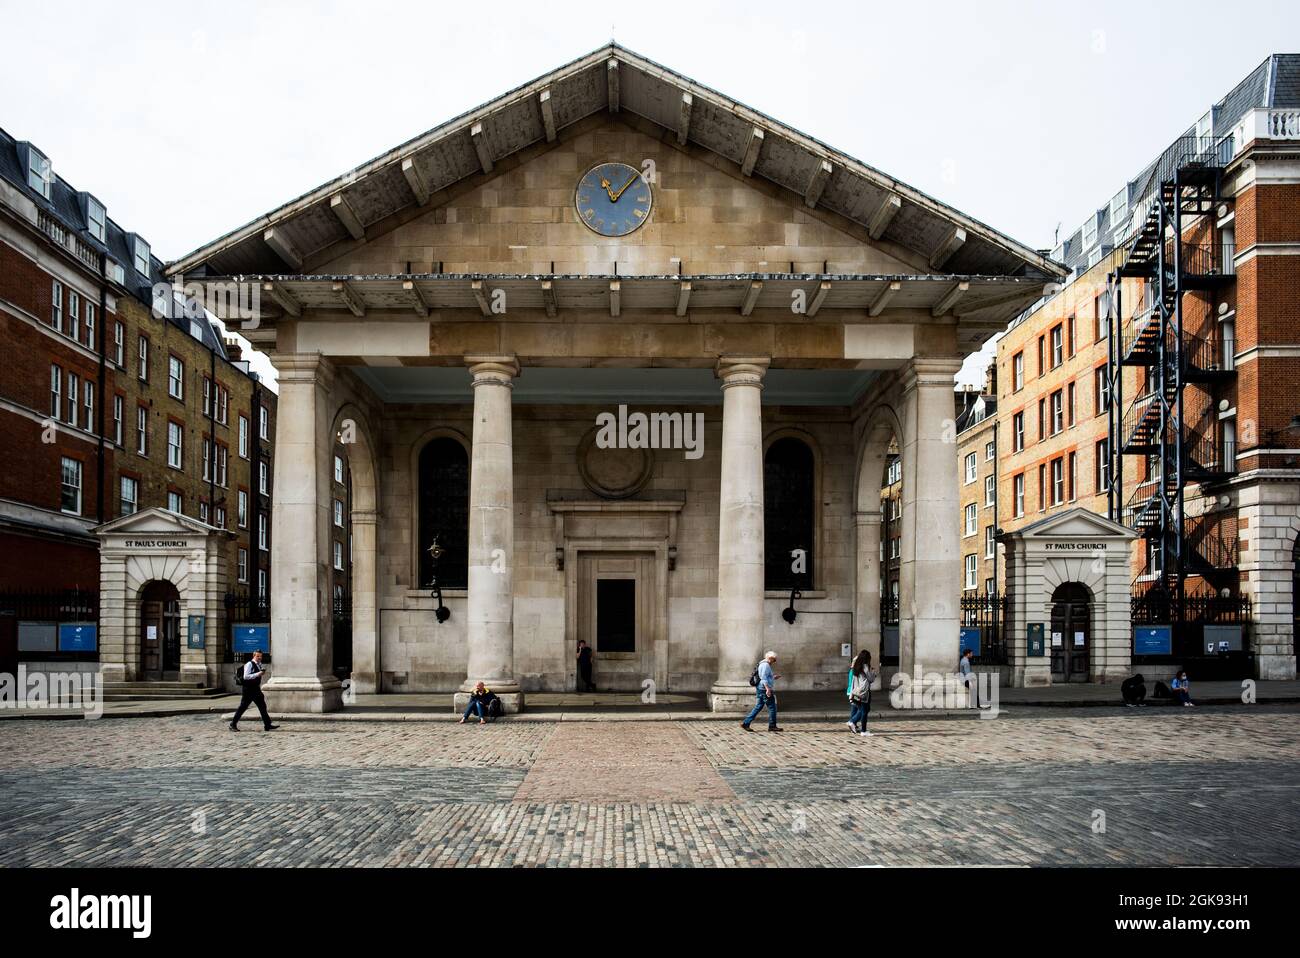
{"points": [[635, 177]]}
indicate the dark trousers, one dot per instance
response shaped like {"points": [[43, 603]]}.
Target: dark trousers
{"points": [[584, 676], [252, 696], [1182, 695], [1134, 696]]}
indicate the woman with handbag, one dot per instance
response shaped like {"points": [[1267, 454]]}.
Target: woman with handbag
{"points": [[861, 678]]}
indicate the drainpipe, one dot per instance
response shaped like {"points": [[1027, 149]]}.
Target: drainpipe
{"points": [[99, 388]]}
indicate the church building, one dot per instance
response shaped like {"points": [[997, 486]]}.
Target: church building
{"points": [[613, 358]]}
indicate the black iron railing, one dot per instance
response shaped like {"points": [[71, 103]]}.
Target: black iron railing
{"points": [[54, 605]]}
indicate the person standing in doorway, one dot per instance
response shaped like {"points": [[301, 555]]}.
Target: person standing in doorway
{"points": [[861, 678], [252, 688], [765, 693], [584, 667]]}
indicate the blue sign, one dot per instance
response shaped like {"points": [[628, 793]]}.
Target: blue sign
{"points": [[1152, 640], [1034, 640], [250, 638], [970, 639], [198, 626], [78, 637]]}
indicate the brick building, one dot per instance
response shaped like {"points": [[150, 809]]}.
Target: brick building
{"points": [[1201, 456], [977, 460], [109, 405]]}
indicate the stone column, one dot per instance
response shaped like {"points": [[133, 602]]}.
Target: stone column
{"points": [[930, 571], [490, 606], [365, 619], [301, 623], [740, 533], [1270, 522], [866, 606]]}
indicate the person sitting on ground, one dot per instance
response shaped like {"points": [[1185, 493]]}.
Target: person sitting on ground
{"points": [[1134, 690], [480, 702], [1182, 688]]}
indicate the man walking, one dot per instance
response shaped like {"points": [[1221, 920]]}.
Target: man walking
{"points": [[252, 687], [766, 694]]}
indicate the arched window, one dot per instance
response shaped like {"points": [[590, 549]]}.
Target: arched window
{"points": [[443, 496], [789, 513]]}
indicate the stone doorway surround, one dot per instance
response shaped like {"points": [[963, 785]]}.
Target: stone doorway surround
{"points": [[157, 545], [584, 526], [1074, 546]]}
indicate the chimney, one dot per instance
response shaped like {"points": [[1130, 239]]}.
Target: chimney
{"points": [[234, 351]]}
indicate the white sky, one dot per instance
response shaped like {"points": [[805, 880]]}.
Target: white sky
{"points": [[188, 121]]}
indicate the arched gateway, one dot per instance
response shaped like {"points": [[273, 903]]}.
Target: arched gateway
{"points": [[735, 285]]}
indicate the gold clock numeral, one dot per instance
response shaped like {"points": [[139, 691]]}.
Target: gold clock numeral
{"points": [[588, 213], [638, 214]]}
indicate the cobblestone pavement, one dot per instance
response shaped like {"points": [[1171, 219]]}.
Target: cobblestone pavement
{"points": [[1210, 786]]}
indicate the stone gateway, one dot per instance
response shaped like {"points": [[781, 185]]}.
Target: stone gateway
{"points": [[614, 238]]}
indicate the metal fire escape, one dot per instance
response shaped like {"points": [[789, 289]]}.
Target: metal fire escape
{"points": [[1155, 426]]}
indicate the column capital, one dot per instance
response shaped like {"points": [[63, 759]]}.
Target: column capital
{"points": [[493, 370], [304, 368], [366, 518], [741, 370], [868, 517], [936, 371]]}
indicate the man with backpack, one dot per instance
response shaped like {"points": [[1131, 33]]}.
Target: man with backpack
{"points": [[764, 681], [484, 703], [251, 683]]}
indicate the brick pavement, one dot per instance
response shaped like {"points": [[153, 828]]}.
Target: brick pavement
{"points": [[1214, 786]]}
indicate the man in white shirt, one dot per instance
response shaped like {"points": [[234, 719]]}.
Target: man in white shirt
{"points": [[252, 687]]}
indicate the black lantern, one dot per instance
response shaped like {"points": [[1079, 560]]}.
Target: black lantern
{"points": [[435, 553]]}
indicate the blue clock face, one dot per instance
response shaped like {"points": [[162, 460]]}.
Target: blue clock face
{"points": [[613, 199]]}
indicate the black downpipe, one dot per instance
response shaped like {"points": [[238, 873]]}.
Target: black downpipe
{"points": [[101, 322]]}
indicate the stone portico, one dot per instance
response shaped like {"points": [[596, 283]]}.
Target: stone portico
{"points": [[446, 312]]}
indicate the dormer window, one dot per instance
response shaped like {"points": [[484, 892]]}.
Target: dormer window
{"points": [[114, 272], [1119, 206], [1090, 231], [39, 171], [96, 218], [140, 250]]}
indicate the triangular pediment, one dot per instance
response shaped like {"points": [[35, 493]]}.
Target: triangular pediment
{"points": [[1075, 523], [677, 112], [153, 523]]}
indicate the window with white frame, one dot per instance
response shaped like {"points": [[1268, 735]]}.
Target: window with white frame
{"points": [[207, 459], [88, 405], [140, 253], [1018, 494], [1119, 206], [73, 381], [129, 495], [338, 469], [989, 451], [74, 314], [1089, 235], [1058, 411], [242, 516], [92, 320], [221, 517], [243, 565], [988, 542], [263, 479], [39, 172], [56, 391], [119, 414], [175, 442], [338, 556], [264, 422], [223, 405], [1058, 352], [971, 519], [971, 469], [972, 571], [243, 437], [142, 354], [1101, 467], [338, 513], [223, 458], [1018, 371], [119, 345], [207, 396], [175, 378], [1018, 432], [203, 510], [261, 533], [175, 503], [1058, 481], [70, 492], [141, 430], [56, 314], [261, 583], [990, 490], [96, 218]]}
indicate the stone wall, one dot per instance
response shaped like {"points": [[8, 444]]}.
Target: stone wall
{"points": [[419, 654]]}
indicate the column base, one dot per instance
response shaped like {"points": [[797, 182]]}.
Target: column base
{"points": [[1031, 677], [365, 683], [512, 702], [304, 695], [736, 699], [199, 673], [1275, 668], [114, 672]]}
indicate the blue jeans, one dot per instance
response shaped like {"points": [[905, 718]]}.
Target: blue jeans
{"points": [[475, 706], [858, 713], [764, 701]]}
